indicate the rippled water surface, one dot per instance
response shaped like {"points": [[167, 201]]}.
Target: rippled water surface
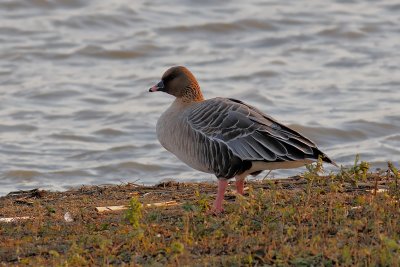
{"points": [[74, 79]]}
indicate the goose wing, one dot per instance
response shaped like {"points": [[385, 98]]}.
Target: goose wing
{"points": [[247, 133]]}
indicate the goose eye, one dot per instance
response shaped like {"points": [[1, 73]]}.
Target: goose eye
{"points": [[169, 78]]}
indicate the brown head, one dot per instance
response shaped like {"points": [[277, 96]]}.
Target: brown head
{"points": [[181, 83]]}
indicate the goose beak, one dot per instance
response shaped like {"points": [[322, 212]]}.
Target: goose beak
{"points": [[158, 87]]}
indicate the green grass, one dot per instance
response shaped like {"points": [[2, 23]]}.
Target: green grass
{"points": [[320, 219]]}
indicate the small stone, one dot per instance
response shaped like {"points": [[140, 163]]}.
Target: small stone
{"points": [[68, 217]]}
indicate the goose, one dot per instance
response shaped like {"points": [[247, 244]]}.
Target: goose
{"points": [[224, 136]]}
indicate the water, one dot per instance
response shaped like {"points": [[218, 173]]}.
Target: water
{"points": [[74, 75]]}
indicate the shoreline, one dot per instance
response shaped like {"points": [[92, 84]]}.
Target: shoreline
{"points": [[347, 218]]}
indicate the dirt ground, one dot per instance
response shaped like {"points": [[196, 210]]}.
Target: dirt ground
{"points": [[340, 219]]}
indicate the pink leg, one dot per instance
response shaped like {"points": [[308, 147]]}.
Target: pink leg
{"points": [[240, 183], [240, 186], [222, 184]]}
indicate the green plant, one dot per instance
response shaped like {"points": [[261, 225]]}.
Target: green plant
{"points": [[395, 172], [134, 212], [360, 170], [177, 247], [202, 202]]}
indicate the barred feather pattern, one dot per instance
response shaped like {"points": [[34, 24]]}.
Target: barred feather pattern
{"points": [[226, 135]]}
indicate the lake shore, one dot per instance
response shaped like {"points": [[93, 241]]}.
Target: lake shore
{"points": [[347, 218]]}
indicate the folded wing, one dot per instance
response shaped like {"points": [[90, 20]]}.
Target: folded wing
{"points": [[247, 133]]}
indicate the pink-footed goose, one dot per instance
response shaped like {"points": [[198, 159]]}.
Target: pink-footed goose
{"points": [[225, 136]]}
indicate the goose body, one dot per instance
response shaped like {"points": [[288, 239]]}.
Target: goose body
{"points": [[225, 136]]}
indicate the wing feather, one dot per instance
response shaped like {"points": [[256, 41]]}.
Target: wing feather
{"points": [[235, 130]]}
